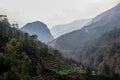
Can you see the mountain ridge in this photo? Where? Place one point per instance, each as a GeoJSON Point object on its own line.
{"type": "Point", "coordinates": [62, 29]}
{"type": "Point", "coordinates": [68, 43]}
{"type": "Point", "coordinates": [23, 57]}
{"type": "Point", "coordinates": [102, 52]}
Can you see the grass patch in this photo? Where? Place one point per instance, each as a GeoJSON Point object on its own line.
{"type": "Point", "coordinates": [63, 69]}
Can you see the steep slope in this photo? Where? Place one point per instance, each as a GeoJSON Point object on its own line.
{"type": "Point", "coordinates": [59, 30]}
{"type": "Point", "coordinates": [103, 54]}
{"type": "Point", "coordinates": [23, 57]}
{"type": "Point", "coordinates": [102, 23]}
{"type": "Point", "coordinates": [39, 29]}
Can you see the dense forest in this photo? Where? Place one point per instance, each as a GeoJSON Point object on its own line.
{"type": "Point", "coordinates": [24, 57]}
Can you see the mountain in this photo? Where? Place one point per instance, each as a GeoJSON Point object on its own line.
{"type": "Point", "coordinates": [59, 30]}
{"type": "Point", "coordinates": [40, 29]}
{"type": "Point", "coordinates": [102, 23]}
{"type": "Point", "coordinates": [23, 57]}
{"type": "Point", "coordinates": [103, 53]}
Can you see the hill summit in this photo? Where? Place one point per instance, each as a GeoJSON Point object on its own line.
{"type": "Point", "coordinates": [40, 29]}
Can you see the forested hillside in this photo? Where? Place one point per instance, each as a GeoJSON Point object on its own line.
{"type": "Point", "coordinates": [103, 54]}
{"type": "Point", "coordinates": [23, 57]}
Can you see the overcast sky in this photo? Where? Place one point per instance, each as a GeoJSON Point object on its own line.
{"type": "Point", "coordinates": [53, 12]}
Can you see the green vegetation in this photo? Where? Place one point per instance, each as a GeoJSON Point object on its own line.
{"type": "Point", "coordinates": [14, 63]}
{"type": "Point", "coordinates": [23, 57]}
{"type": "Point", "coordinates": [63, 69]}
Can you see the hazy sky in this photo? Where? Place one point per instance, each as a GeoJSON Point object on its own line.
{"type": "Point", "coordinates": [53, 12]}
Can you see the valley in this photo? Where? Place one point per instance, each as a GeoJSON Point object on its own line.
{"type": "Point", "coordinates": [86, 49]}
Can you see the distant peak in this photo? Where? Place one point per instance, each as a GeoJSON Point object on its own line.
{"type": "Point", "coordinates": [39, 23]}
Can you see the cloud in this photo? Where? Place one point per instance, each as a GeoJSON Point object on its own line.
{"type": "Point", "coordinates": [54, 12]}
